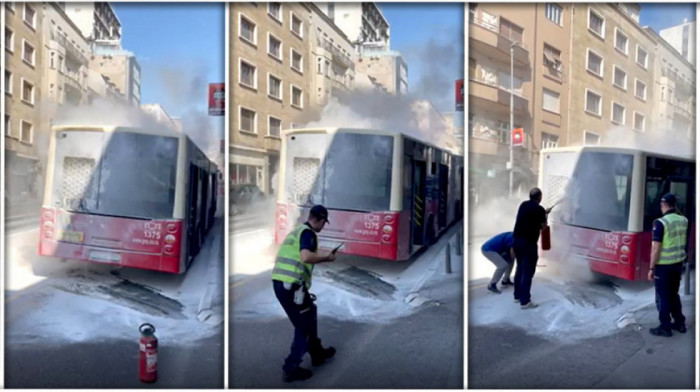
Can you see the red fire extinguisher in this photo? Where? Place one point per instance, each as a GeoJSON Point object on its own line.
{"type": "Point", "coordinates": [546, 240]}
{"type": "Point", "coordinates": [148, 353]}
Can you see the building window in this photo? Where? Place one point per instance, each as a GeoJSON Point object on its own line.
{"type": "Point", "coordinates": [9, 40]}
{"type": "Point", "coordinates": [26, 131]}
{"type": "Point", "coordinates": [596, 23]}
{"type": "Point", "coordinates": [472, 69]}
{"type": "Point", "coordinates": [10, 6]}
{"type": "Point", "coordinates": [553, 12]}
{"type": "Point", "coordinates": [248, 75]}
{"type": "Point", "coordinates": [593, 102]}
{"type": "Point", "coordinates": [297, 97]}
{"type": "Point", "coordinates": [684, 45]}
{"type": "Point", "coordinates": [504, 82]}
{"type": "Point", "coordinates": [621, 41]}
{"type": "Point", "coordinates": [618, 114]}
{"type": "Point", "coordinates": [549, 140]}
{"type": "Point", "coordinates": [640, 90]}
{"type": "Point", "coordinates": [552, 57]}
{"type": "Point", "coordinates": [8, 125]}
{"type": "Point", "coordinates": [27, 92]}
{"type": "Point", "coordinates": [248, 120]}
{"type": "Point", "coordinates": [319, 65]}
{"type": "Point", "coordinates": [619, 78]}
{"type": "Point", "coordinates": [8, 82]}
{"type": "Point", "coordinates": [28, 53]}
{"type": "Point", "coordinates": [274, 46]}
{"type": "Point", "coordinates": [274, 126]}
{"type": "Point", "coordinates": [642, 57]}
{"type": "Point", "coordinates": [29, 16]}
{"type": "Point", "coordinates": [275, 11]}
{"type": "Point", "coordinates": [247, 30]}
{"type": "Point", "coordinates": [274, 87]}
{"type": "Point", "coordinates": [296, 60]}
{"type": "Point", "coordinates": [594, 63]}
{"type": "Point", "coordinates": [550, 100]}
{"type": "Point", "coordinates": [297, 25]}
{"type": "Point", "coordinates": [639, 122]}
{"type": "Point", "coordinates": [510, 30]}
{"type": "Point", "coordinates": [590, 138]}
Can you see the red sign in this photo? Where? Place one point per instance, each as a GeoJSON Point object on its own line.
{"type": "Point", "coordinates": [217, 99]}
{"type": "Point", "coordinates": [459, 95]}
{"type": "Point", "coordinates": [517, 137]}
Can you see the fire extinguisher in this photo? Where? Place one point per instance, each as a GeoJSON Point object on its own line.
{"type": "Point", "coordinates": [148, 353]}
{"type": "Point", "coordinates": [546, 240]}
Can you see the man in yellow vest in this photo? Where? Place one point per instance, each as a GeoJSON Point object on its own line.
{"type": "Point", "coordinates": [668, 248]}
{"type": "Point", "coordinates": [291, 279]}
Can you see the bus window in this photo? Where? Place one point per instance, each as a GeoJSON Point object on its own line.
{"type": "Point", "coordinates": [680, 190]}
{"type": "Point", "coordinates": [600, 191]}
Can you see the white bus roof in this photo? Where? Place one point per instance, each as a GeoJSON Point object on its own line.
{"type": "Point", "coordinates": [116, 128]}
{"type": "Point", "coordinates": [365, 131]}
{"type": "Point", "coordinates": [622, 150]}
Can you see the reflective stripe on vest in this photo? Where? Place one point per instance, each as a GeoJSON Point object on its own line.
{"type": "Point", "coordinates": [288, 267]}
{"type": "Point", "coordinates": [673, 244]}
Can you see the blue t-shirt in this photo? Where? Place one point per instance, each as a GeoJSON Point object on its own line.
{"type": "Point", "coordinates": [308, 240]}
{"type": "Point", "coordinates": [500, 244]}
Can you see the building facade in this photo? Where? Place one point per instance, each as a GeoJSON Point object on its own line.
{"type": "Point", "coordinates": [96, 21]}
{"type": "Point", "coordinates": [612, 73]}
{"type": "Point", "coordinates": [361, 22]}
{"type": "Point", "coordinates": [682, 39]}
{"type": "Point", "coordinates": [271, 84]}
{"type": "Point", "coordinates": [120, 67]}
{"type": "Point", "coordinates": [386, 68]}
{"type": "Point", "coordinates": [539, 36]}
{"type": "Point", "coordinates": [23, 92]}
{"type": "Point", "coordinates": [674, 91]}
{"type": "Point", "coordinates": [334, 57]}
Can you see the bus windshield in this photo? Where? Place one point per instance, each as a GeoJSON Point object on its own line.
{"type": "Point", "coordinates": [342, 171]}
{"type": "Point", "coordinates": [120, 173]}
{"type": "Point", "coordinates": [598, 195]}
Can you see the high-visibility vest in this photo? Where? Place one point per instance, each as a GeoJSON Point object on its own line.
{"type": "Point", "coordinates": [288, 266]}
{"type": "Point", "coordinates": [673, 244]}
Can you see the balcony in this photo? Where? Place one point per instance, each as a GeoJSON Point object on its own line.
{"type": "Point", "coordinates": [486, 94]}
{"type": "Point", "coordinates": [338, 56]}
{"type": "Point", "coordinates": [485, 37]}
{"type": "Point", "coordinates": [682, 110]}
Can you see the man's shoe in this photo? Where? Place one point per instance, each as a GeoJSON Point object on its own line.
{"type": "Point", "coordinates": [492, 288]}
{"type": "Point", "coordinates": [517, 301]}
{"type": "Point", "coordinates": [658, 331]}
{"type": "Point", "coordinates": [507, 282]}
{"type": "Point", "coordinates": [529, 305]}
{"type": "Point", "coordinates": [298, 374]}
{"type": "Point", "coordinates": [318, 358]}
{"type": "Point", "coordinates": [680, 328]}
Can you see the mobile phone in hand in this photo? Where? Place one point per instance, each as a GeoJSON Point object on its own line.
{"type": "Point", "coordinates": [337, 248]}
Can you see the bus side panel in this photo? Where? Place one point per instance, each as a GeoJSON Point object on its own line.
{"type": "Point", "coordinates": [403, 238]}
{"type": "Point", "coordinates": [642, 257]}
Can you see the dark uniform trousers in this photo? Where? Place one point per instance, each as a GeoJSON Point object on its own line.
{"type": "Point", "coordinates": [667, 281]}
{"type": "Point", "coordinates": [304, 319]}
{"type": "Point", "coordinates": [526, 257]}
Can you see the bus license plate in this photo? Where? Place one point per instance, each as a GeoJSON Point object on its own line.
{"type": "Point", "coordinates": [107, 257]}
{"type": "Point", "coordinates": [69, 236]}
{"type": "Point", "coordinates": [325, 244]}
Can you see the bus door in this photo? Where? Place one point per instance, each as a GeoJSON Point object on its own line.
{"type": "Point", "coordinates": [203, 211]}
{"type": "Point", "coordinates": [443, 184]}
{"type": "Point", "coordinates": [418, 204]}
{"type": "Point", "coordinates": [193, 246]}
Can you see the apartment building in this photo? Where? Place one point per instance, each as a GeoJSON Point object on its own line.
{"type": "Point", "coordinates": [23, 83]}
{"type": "Point", "coordinates": [536, 38]}
{"type": "Point", "coordinates": [362, 23]}
{"type": "Point", "coordinates": [120, 67]}
{"type": "Point", "coordinates": [383, 67]}
{"type": "Point", "coordinates": [96, 21]}
{"type": "Point", "coordinates": [612, 73]}
{"type": "Point", "coordinates": [682, 39]}
{"type": "Point", "coordinates": [674, 91]}
{"type": "Point", "coordinates": [334, 56]}
{"type": "Point", "coordinates": [271, 85]}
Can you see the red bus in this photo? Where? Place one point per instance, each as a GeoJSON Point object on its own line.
{"type": "Point", "coordinates": [609, 198]}
{"type": "Point", "coordinates": [139, 198]}
{"type": "Point", "coordinates": [388, 194]}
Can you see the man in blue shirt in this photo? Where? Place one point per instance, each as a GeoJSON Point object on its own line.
{"type": "Point", "coordinates": [499, 250]}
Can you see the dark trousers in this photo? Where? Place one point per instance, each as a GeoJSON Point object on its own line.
{"type": "Point", "coordinates": [526, 258]}
{"type": "Point", "coordinates": [303, 317]}
{"type": "Point", "coordinates": [667, 281]}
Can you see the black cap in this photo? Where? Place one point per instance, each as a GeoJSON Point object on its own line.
{"type": "Point", "coordinates": [669, 199]}
{"type": "Point", "coordinates": [319, 212]}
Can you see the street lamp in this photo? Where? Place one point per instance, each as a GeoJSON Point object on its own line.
{"type": "Point", "coordinates": [510, 162]}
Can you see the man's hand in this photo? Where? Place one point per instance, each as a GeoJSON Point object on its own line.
{"type": "Point", "coordinates": [330, 256]}
{"type": "Point", "coordinates": [548, 210]}
{"type": "Point", "coordinates": [650, 275]}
